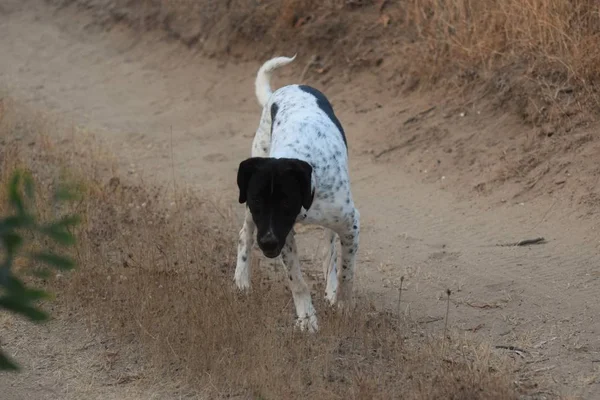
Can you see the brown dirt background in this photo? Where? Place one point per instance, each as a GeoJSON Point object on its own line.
{"type": "Point", "coordinates": [535, 60]}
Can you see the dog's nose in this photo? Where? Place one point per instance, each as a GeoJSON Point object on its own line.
{"type": "Point", "coordinates": [268, 242]}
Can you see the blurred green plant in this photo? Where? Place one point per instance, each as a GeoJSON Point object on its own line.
{"type": "Point", "coordinates": [15, 229]}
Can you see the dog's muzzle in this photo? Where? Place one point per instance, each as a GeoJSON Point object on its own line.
{"type": "Point", "coordinates": [269, 245]}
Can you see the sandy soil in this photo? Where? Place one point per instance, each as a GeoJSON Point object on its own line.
{"type": "Point", "coordinates": [424, 218]}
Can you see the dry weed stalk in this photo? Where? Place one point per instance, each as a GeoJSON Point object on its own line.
{"type": "Point", "coordinates": [448, 293]}
{"type": "Point", "coordinates": [400, 295]}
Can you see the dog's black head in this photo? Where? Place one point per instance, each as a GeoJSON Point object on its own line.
{"type": "Point", "coordinates": [275, 190]}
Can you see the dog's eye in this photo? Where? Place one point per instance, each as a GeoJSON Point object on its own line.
{"type": "Point", "coordinates": [287, 208]}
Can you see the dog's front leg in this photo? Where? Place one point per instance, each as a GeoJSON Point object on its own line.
{"type": "Point", "coordinates": [305, 311]}
{"type": "Point", "coordinates": [245, 244]}
{"type": "Point", "coordinates": [349, 238]}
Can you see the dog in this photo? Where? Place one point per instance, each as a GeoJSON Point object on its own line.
{"type": "Point", "coordinates": [297, 173]}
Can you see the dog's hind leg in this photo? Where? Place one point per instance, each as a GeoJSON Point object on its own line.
{"type": "Point", "coordinates": [349, 238]}
{"type": "Point", "coordinates": [307, 319]}
{"type": "Point", "coordinates": [261, 144]}
{"type": "Point", "coordinates": [245, 244]}
{"type": "Point", "coordinates": [330, 265]}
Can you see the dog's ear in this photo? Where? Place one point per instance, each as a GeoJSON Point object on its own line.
{"type": "Point", "coordinates": [303, 172]}
{"type": "Point", "coordinates": [245, 172]}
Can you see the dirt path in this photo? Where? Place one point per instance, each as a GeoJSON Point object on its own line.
{"type": "Point", "coordinates": [148, 98]}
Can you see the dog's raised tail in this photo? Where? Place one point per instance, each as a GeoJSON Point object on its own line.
{"type": "Point", "coordinates": [263, 77]}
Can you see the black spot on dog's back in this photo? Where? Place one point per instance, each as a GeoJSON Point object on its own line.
{"type": "Point", "coordinates": [324, 105]}
{"type": "Point", "coordinates": [274, 109]}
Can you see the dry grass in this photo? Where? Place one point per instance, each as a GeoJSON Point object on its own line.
{"type": "Point", "coordinates": [523, 48]}
{"type": "Point", "coordinates": [158, 274]}
{"type": "Point", "coordinates": [539, 58]}
{"type": "Point", "coordinates": [554, 34]}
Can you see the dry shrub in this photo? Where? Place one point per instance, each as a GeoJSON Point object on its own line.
{"type": "Point", "coordinates": [157, 274]}
{"type": "Point", "coordinates": [551, 36]}
{"type": "Point", "coordinates": [553, 43]}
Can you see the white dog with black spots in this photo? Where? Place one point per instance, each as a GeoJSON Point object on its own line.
{"type": "Point", "coordinates": [298, 173]}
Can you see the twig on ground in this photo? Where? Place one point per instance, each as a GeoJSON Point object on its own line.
{"type": "Point", "coordinates": [482, 305]}
{"type": "Point", "coordinates": [396, 147]}
{"type": "Point", "coordinates": [419, 115]}
{"type": "Point", "coordinates": [388, 150]}
{"type": "Point", "coordinates": [525, 242]}
{"type": "Point", "coordinates": [537, 361]}
{"type": "Point", "coordinates": [475, 328]}
{"type": "Point", "coordinates": [430, 320]}
{"type": "Point", "coordinates": [517, 350]}
{"type": "Point", "coordinates": [543, 342]}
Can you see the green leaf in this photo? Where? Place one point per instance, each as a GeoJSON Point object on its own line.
{"type": "Point", "coordinates": [68, 221]}
{"type": "Point", "coordinates": [36, 294]}
{"type": "Point", "coordinates": [6, 364]}
{"type": "Point", "coordinates": [11, 242]}
{"type": "Point", "coordinates": [17, 306]}
{"type": "Point", "coordinates": [11, 223]}
{"type": "Point", "coordinates": [16, 290]}
{"type": "Point", "coordinates": [14, 286]}
{"type": "Point", "coordinates": [53, 260]}
{"type": "Point", "coordinates": [65, 222]}
{"type": "Point", "coordinates": [15, 222]}
{"type": "Point", "coordinates": [41, 273]}
{"type": "Point", "coordinates": [59, 234]}
{"type": "Point", "coordinates": [29, 186]}
{"type": "Point", "coordinates": [14, 196]}
{"type": "Point", "coordinates": [58, 231]}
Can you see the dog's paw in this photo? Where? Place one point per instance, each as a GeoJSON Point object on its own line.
{"type": "Point", "coordinates": [331, 297]}
{"type": "Point", "coordinates": [242, 283]}
{"type": "Point", "coordinates": [308, 324]}
{"type": "Point", "coordinates": [242, 276]}
{"type": "Point", "coordinates": [344, 297]}
{"type": "Point", "coordinates": [331, 291]}
{"type": "Point", "coordinates": [242, 287]}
